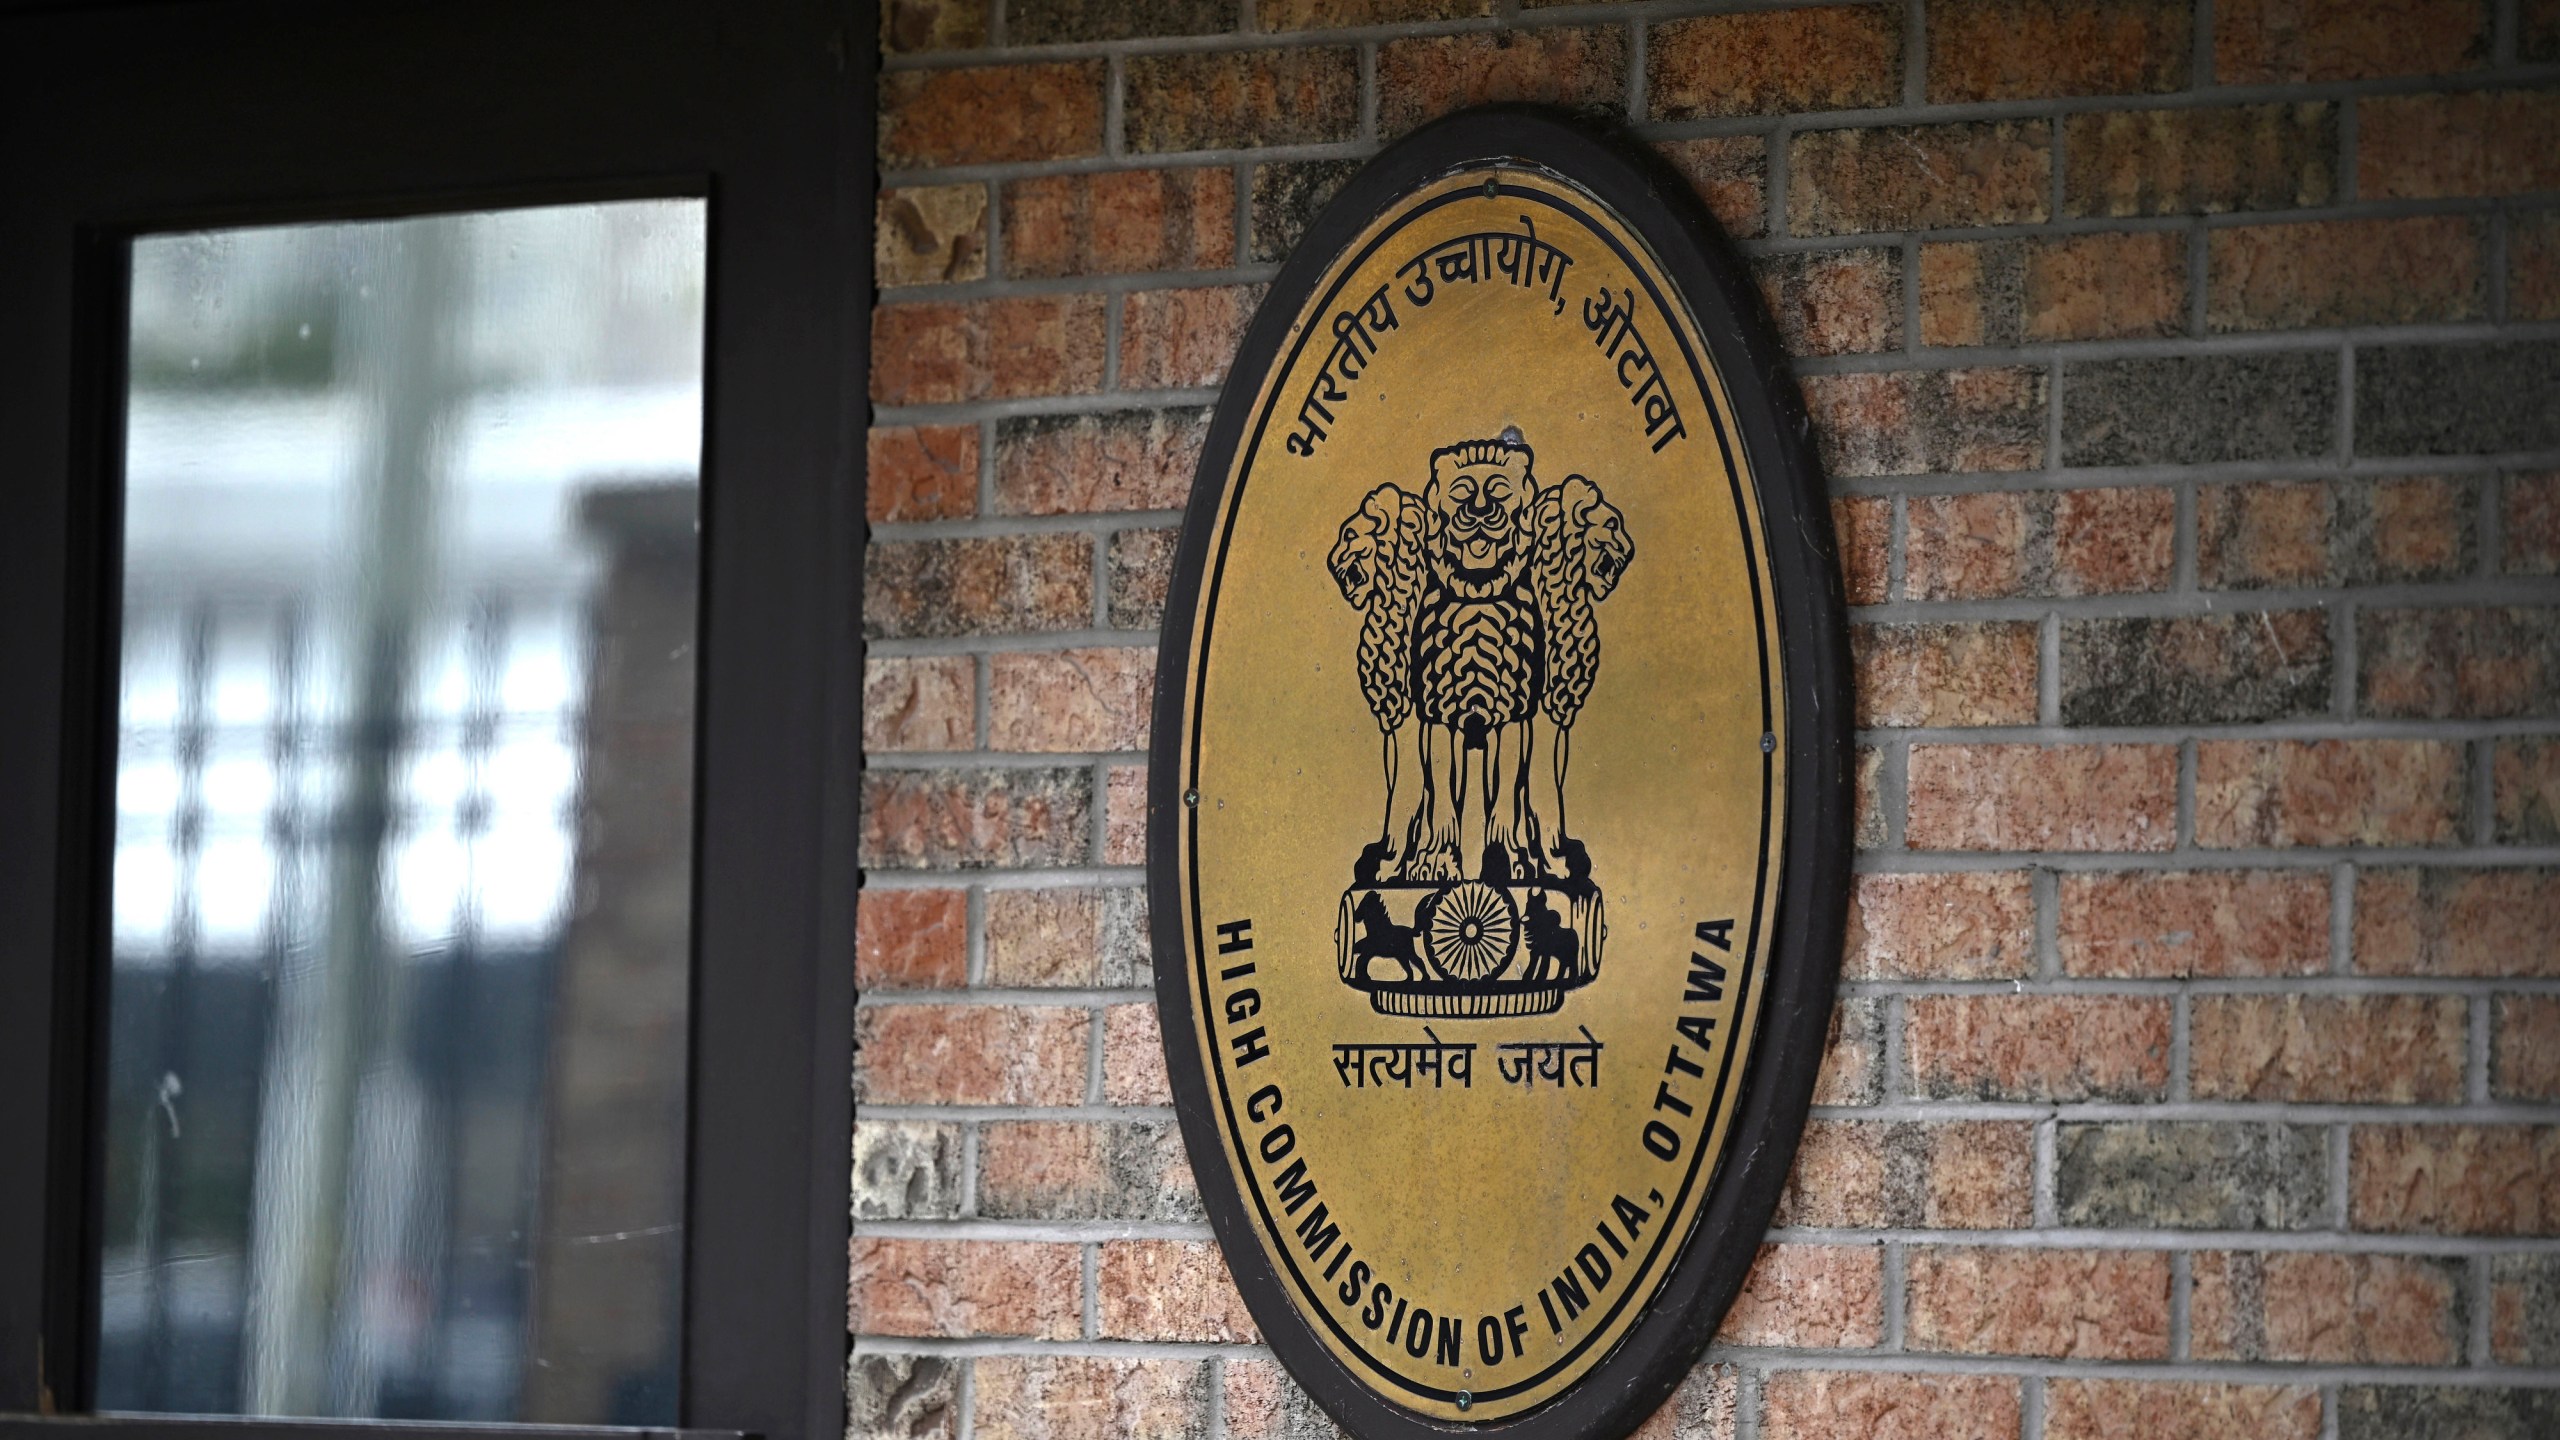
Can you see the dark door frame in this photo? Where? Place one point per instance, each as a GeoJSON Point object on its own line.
{"type": "Point", "coordinates": [118, 118]}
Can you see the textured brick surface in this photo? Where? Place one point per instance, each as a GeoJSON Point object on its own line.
{"type": "Point", "coordinates": [2524, 1048]}
{"type": "Point", "coordinates": [2020, 49]}
{"type": "Point", "coordinates": [1940, 675]}
{"type": "Point", "coordinates": [2168, 924]}
{"type": "Point", "coordinates": [1120, 221]}
{"type": "Point", "coordinates": [910, 27]}
{"type": "Point", "coordinates": [1919, 421]}
{"type": "Point", "coordinates": [1880, 1405]}
{"type": "Point", "coordinates": [969, 819]}
{"type": "Point", "coordinates": [1182, 338]}
{"type": "Point", "coordinates": [1080, 937]}
{"type": "Point", "coordinates": [1918, 177]}
{"type": "Point", "coordinates": [929, 235]}
{"type": "Point", "coordinates": [1953, 1175]}
{"type": "Point", "coordinates": [1988, 544]}
{"type": "Point", "coordinates": [1084, 1170]}
{"type": "Point", "coordinates": [1825, 1296]}
{"type": "Point", "coordinates": [1965, 926]}
{"type": "Point", "coordinates": [2037, 1047]}
{"type": "Point", "coordinates": [2346, 272]}
{"type": "Point", "coordinates": [1086, 1397]}
{"type": "Point", "coordinates": [1133, 1057]}
{"type": "Point", "coordinates": [2284, 533]}
{"type": "Point", "coordinates": [2074, 287]}
{"type": "Point", "coordinates": [907, 1171]}
{"type": "Point", "coordinates": [2124, 1409]}
{"type": "Point", "coordinates": [1835, 302]}
{"type": "Point", "coordinates": [1004, 349]}
{"type": "Point", "coordinates": [924, 588]}
{"type": "Point", "coordinates": [2199, 409]}
{"type": "Point", "coordinates": [2327, 1309]}
{"type": "Point", "coordinates": [2258, 42]}
{"type": "Point", "coordinates": [1076, 464]}
{"type": "Point", "coordinates": [2195, 669]}
{"type": "Point", "coordinates": [1067, 22]}
{"type": "Point", "coordinates": [922, 472]}
{"type": "Point", "coordinates": [2370, 1412]}
{"type": "Point", "coordinates": [912, 939]}
{"type": "Point", "coordinates": [2480, 142]}
{"type": "Point", "coordinates": [2175, 162]}
{"type": "Point", "coordinates": [1829, 57]}
{"type": "Point", "coordinates": [1084, 699]}
{"type": "Point", "coordinates": [2074, 1304]}
{"type": "Point", "coordinates": [2458, 399]}
{"type": "Point", "coordinates": [983, 116]}
{"type": "Point", "coordinates": [2033, 797]}
{"type": "Point", "coordinates": [1863, 528]}
{"type": "Point", "coordinates": [970, 1054]}
{"type": "Point", "coordinates": [1286, 199]}
{"type": "Point", "coordinates": [965, 1287]}
{"type": "Point", "coordinates": [2191, 1175]}
{"type": "Point", "coordinates": [2459, 663]}
{"type": "Point", "coordinates": [1140, 571]}
{"type": "Point", "coordinates": [1730, 173]}
{"type": "Point", "coordinates": [922, 703]}
{"type": "Point", "coordinates": [903, 1397]}
{"type": "Point", "coordinates": [2529, 515]}
{"type": "Point", "coordinates": [1429, 76]}
{"type": "Point", "coordinates": [2455, 1179]}
{"type": "Point", "coordinates": [1853, 1054]}
{"type": "Point", "coordinates": [1231, 98]}
{"type": "Point", "coordinates": [1169, 1290]}
{"type": "Point", "coordinates": [2458, 922]}
{"type": "Point", "coordinates": [2524, 1309]}
{"type": "Point", "coordinates": [2253, 793]}
{"type": "Point", "coordinates": [2372, 1049]}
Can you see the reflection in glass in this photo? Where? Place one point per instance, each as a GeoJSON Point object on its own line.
{"type": "Point", "coordinates": [401, 898]}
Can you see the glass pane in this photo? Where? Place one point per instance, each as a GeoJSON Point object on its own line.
{"type": "Point", "coordinates": [402, 886]}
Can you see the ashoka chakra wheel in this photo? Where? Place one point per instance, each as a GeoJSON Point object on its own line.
{"type": "Point", "coordinates": [1472, 930]}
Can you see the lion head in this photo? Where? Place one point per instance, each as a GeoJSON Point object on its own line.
{"type": "Point", "coordinates": [1479, 497]}
{"type": "Point", "coordinates": [1366, 543]}
{"type": "Point", "coordinates": [1594, 525]}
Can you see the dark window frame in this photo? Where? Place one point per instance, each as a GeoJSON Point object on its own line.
{"type": "Point", "coordinates": [121, 118]}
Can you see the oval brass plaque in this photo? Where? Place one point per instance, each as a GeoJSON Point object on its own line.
{"type": "Point", "coordinates": [1476, 742]}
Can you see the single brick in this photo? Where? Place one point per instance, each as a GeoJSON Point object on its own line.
{"type": "Point", "coordinates": [1081, 700]}
{"type": "Point", "coordinates": [1265, 1403]}
{"type": "Point", "coordinates": [2336, 1049]}
{"type": "Point", "coordinates": [1133, 1057]}
{"type": "Point", "coordinates": [1853, 1054]}
{"type": "Point", "coordinates": [975, 819]}
{"type": "Point", "coordinates": [1088, 1397]}
{"type": "Point", "coordinates": [1124, 840]}
{"type": "Point", "coordinates": [1830, 57]}
{"type": "Point", "coordinates": [1951, 674]}
{"type": "Point", "coordinates": [906, 1170]}
{"type": "Point", "coordinates": [1084, 1170]}
{"type": "Point", "coordinates": [1703, 1408]}
{"type": "Point", "coordinates": [1996, 543]}
{"type": "Point", "coordinates": [1863, 527]}
{"type": "Point", "coordinates": [2524, 1048]}
{"type": "Point", "coordinates": [903, 1397]}
{"type": "Point", "coordinates": [913, 27]}
{"type": "Point", "coordinates": [911, 939]}
{"type": "Point", "coordinates": [1967, 925]}
{"type": "Point", "coordinates": [2195, 669]}
{"type": "Point", "coordinates": [2529, 519]}
{"type": "Point", "coordinates": [2199, 409]}
{"type": "Point", "coordinates": [2458, 399]}
{"type": "Point", "coordinates": [2037, 1047]}
{"type": "Point", "coordinates": [2524, 1310]}
{"type": "Point", "coordinates": [2121, 1409]}
{"type": "Point", "coordinates": [958, 1288]}
{"type": "Point", "coordinates": [1081, 937]}
{"type": "Point", "coordinates": [970, 1054]}
{"type": "Point", "coordinates": [2455, 1179]}
{"type": "Point", "coordinates": [2068, 1304]}
{"type": "Point", "coordinates": [1939, 1175]}
{"type": "Point", "coordinates": [1169, 1290]}
{"type": "Point", "coordinates": [1866, 787]}
{"type": "Point", "coordinates": [2034, 797]}
{"type": "Point", "coordinates": [1428, 76]}
{"type": "Point", "coordinates": [2345, 272]}
{"type": "Point", "coordinates": [1237, 99]}
{"type": "Point", "coordinates": [1827, 1297]}
{"type": "Point", "coordinates": [2285, 533]}
{"type": "Point", "coordinates": [1070, 22]}
{"type": "Point", "coordinates": [2458, 922]}
{"type": "Point", "coordinates": [2465, 1412]}
{"type": "Point", "coordinates": [2191, 162]}
{"type": "Point", "coordinates": [2458, 664]}
{"type": "Point", "coordinates": [1287, 196]}
{"type": "Point", "coordinates": [2480, 142]}
{"type": "Point", "coordinates": [2259, 793]}
{"type": "Point", "coordinates": [1141, 566]}
{"type": "Point", "coordinates": [2028, 49]}
{"type": "Point", "coordinates": [920, 472]}
{"type": "Point", "coordinates": [1834, 302]}
{"type": "Point", "coordinates": [1919, 177]}
{"type": "Point", "coordinates": [1023, 345]}
{"type": "Point", "coordinates": [2185, 1175]}
{"type": "Point", "coordinates": [2533, 266]}
{"type": "Point", "coordinates": [1182, 338]}
{"type": "Point", "coordinates": [1120, 221]}
{"type": "Point", "coordinates": [1084, 464]}
{"type": "Point", "coordinates": [1911, 422]}
{"type": "Point", "coordinates": [2288, 42]}
{"type": "Point", "coordinates": [925, 702]}
{"type": "Point", "coordinates": [914, 589]}
{"type": "Point", "coordinates": [2327, 1309]}
{"type": "Point", "coordinates": [2170, 924]}
{"type": "Point", "coordinates": [2069, 287]}
{"type": "Point", "coordinates": [1342, 14]}
{"type": "Point", "coordinates": [1730, 173]}
{"type": "Point", "coordinates": [2525, 780]}
{"type": "Point", "coordinates": [930, 235]}
{"type": "Point", "coordinates": [990, 115]}
{"type": "Point", "coordinates": [1879, 1405]}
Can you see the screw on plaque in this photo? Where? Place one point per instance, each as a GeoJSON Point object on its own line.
{"type": "Point", "coordinates": [1190, 797]}
{"type": "Point", "coordinates": [1466, 1400]}
{"type": "Point", "coordinates": [1768, 742]}
{"type": "Point", "coordinates": [1492, 187]}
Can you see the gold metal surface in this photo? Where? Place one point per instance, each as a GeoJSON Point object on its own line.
{"type": "Point", "coordinates": [1472, 1021]}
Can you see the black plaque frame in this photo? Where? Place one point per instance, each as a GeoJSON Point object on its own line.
{"type": "Point", "coordinates": [1804, 947]}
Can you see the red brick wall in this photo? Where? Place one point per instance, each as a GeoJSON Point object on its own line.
{"type": "Point", "coordinates": [2188, 375]}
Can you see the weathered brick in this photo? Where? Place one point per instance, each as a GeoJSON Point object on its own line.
{"type": "Point", "coordinates": [1141, 567]}
{"type": "Point", "coordinates": [2327, 1309]}
{"type": "Point", "coordinates": [2187, 162]}
{"type": "Point", "coordinates": [1703, 1408]}
{"type": "Point", "coordinates": [1133, 1057]}
{"type": "Point", "coordinates": [2199, 409]}
{"type": "Point", "coordinates": [1834, 302]}
{"type": "Point", "coordinates": [911, 27]}
{"type": "Point", "coordinates": [1084, 1170]}
{"type": "Point", "coordinates": [1969, 925]}
{"type": "Point", "coordinates": [956, 819]}
{"type": "Point", "coordinates": [2032, 797]}
{"type": "Point", "coordinates": [2037, 1047]}
{"type": "Point", "coordinates": [1853, 1054]}
{"type": "Point", "coordinates": [2181, 1175]}
{"type": "Point", "coordinates": [1919, 177]}
{"type": "Point", "coordinates": [988, 115]}
{"type": "Point", "coordinates": [2288, 42]}
{"type": "Point", "coordinates": [2345, 272]}
{"type": "Point", "coordinates": [2466, 1412]}
{"type": "Point", "coordinates": [1169, 1290]}
{"type": "Point", "coordinates": [1120, 221]}
{"type": "Point", "coordinates": [1086, 464]}
{"type": "Point", "coordinates": [970, 1054]}
{"type": "Point", "coordinates": [1264, 1403]}
{"type": "Point", "coordinates": [1085, 699]}
{"type": "Point", "coordinates": [2342, 1049]}
{"type": "Point", "coordinates": [1917, 421]}
{"type": "Point", "coordinates": [921, 472]}
{"type": "Point", "coordinates": [1182, 338]}
{"type": "Point", "coordinates": [1730, 173]}
{"type": "Point", "coordinates": [1287, 197]}
{"type": "Point", "coordinates": [1815, 1296]}
{"type": "Point", "coordinates": [1831, 57]}
{"type": "Point", "coordinates": [2480, 142]}
{"type": "Point", "coordinates": [1341, 14]}
{"type": "Point", "coordinates": [926, 702]}
{"type": "Point", "coordinates": [903, 1397]}
{"type": "Point", "coordinates": [1991, 544]}
{"type": "Point", "coordinates": [2524, 1310]}
{"type": "Point", "coordinates": [2458, 664]}
{"type": "Point", "coordinates": [1943, 1175]}
{"type": "Point", "coordinates": [2068, 1304]}
{"type": "Point", "coordinates": [1235, 99]}
{"type": "Point", "coordinates": [2524, 1048]}
{"type": "Point", "coordinates": [2458, 399]}
{"type": "Point", "coordinates": [1949, 674]}
{"type": "Point", "coordinates": [1124, 840]}
{"type": "Point", "coordinates": [2026, 49]}
{"type": "Point", "coordinates": [2455, 1179]}
{"type": "Point", "coordinates": [1069, 22]}
{"type": "Point", "coordinates": [957, 1288]}
{"type": "Point", "coordinates": [930, 235]}
{"type": "Point", "coordinates": [2170, 925]}
{"type": "Point", "coordinates": [2284, 533]}
{"type": "Point", "coordinates": [1872, 1405]}
{"type": "Point", "coordinates": [1081, 937]}
{"type": "Point", "coordinates": [914, 589]}
{"type": "Point", "coordinates": [906, 1170]}
{"type": "Point", "coordinates": [2125, 1409]}
{"type": "Point", "coordinates": [2458, 922]}
{"type": "Point", "coordinates": [942, 353]}
{"type": "Point", "coordinates": [1866, 789]}
{"type": "Point", "coordinates": [1088, 1397]}
{"type": "Point", "coordinates": [1863, 528]}
{"type": "Point", "coordinates": [2068, 287]}
{"type": "Point", "coordinates": [1428, 76]}
{"type": "Point", "coordinates": [2525, 782]}
{"type": "Point", "coordinates": [2529, 521]}
{"type": "Point", "coordinates": [2257, 793]}
{"type": "Point", "coordinates": [2195, 669]}
{"type": "Point", "coordinates": [911, 939]}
